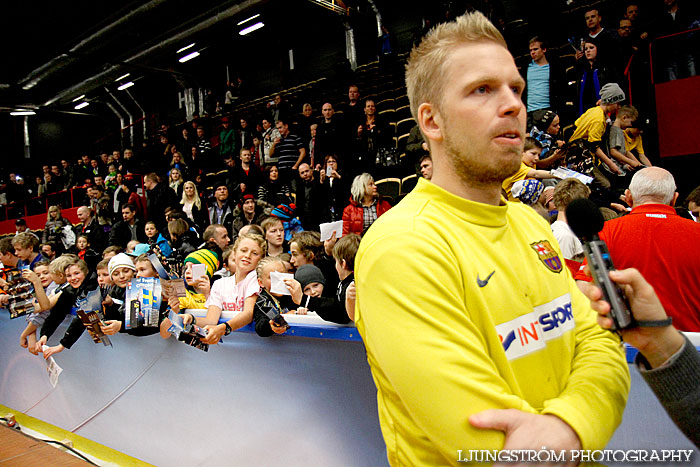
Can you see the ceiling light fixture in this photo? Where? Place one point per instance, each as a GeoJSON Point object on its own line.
{"type": "Point", "coordinates": [125, 85]}
{"type": "Point", "coordinates": [185, 48]}
{"type": "Point", "coordinates": [82, 105]}
{"type": "Point", "coordinates": [78, 98]}
{"type": "Point", "coordinates": [252, 28]}
{"type": "Point", "coordinates": [189, 57]}
{"type": "Point", "coordinates": [23, 112]}
{"type": "Point", "coordinates": [246, 20]}
{"type": "Point", "coordinates": [122, 77]}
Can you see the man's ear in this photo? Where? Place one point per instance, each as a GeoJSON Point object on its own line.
{"type": "Point", "coordinates": [674, 199]}
{"type": "Point", "coordinates": [430, 121]}
{"type": "Point", "coordinates": [628, 198]}
{"type": "Point", "coordinates": [344, 264]}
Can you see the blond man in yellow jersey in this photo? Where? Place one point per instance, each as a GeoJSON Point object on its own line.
{"type": "Point", "coordinates": [476, 334]}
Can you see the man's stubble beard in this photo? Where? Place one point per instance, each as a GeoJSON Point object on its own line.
{"type": "Point", "coordinates": [474, 168]}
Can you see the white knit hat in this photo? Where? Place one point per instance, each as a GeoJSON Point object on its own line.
{"type": "Point", "coordinates": [122, 260]}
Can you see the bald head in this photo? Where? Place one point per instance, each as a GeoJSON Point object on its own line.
{"type": "Point", "coordinates": [83, 213]}
{"type": "Point", "coordinates": [652, 185]}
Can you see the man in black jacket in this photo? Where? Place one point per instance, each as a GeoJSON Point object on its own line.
{"type": "Point", "coordinates": [130, 228]}
{"type": "Point", "coordinates": [311, 199]}
{"type": "Point", "coordinates": [159, 196]}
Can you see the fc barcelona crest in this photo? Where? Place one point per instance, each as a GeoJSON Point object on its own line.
{"type": "Point", "coordinates": [547, 255]}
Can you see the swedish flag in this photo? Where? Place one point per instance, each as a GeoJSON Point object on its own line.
{"type": "Point", "coordinates": [147, 297]}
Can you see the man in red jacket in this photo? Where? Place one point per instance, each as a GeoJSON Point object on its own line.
{"type": "Point", "coordinates": [661, 244]}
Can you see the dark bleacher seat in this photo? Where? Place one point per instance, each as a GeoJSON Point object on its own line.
{"type": "Point", "coordinates": [408, 183]}
{"type": "Point", "coordinates": [389, 187]}
{"type": "Point", "coordinates": [403, 112]}
{"type": "Point", "coordinates": [405, 126]}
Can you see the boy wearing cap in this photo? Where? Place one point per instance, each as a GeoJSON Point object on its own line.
{"type": "Point", "coordinates": [591, 125]}
{"type": "Point", "coordinates": [291, 224]}
{"type": "Point", "coordinates": [545, 129]}
{"type": "Point", "coordinates": [249, 211]}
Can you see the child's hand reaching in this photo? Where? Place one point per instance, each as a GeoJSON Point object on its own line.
{"type": "Point", "coordinates": [174, 304]}
{"type": "Point", "coordinates": [49, 351]}
{"type": "Point", "coordinates": [111, 327]}
{"type": "Point", "coordinates": [277, 329]}
{"type": "Point", "coordinates": [40, 343]}
{"type": "Point", "coordinates": [294, 288]}
{"type": "Point", "coordinates": [32, 277]}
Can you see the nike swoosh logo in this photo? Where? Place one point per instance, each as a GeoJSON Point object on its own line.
{"type": "Point", "coordinates": [482, 283]}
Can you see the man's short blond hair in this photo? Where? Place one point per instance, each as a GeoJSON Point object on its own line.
{"type": "Point", "coordinates": [425, 71]}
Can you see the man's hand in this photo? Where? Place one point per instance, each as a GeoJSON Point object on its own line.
{"type": "Point", "coordinates": [656, 344]}
{"type": "Point", "coordinates": [528, 431]}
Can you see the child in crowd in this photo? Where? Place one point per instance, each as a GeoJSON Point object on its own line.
{"type": "Point", "coordinates": [274, 235]}
{"type": "Point", "coordinates": [110, 252]}
{"type": "Point", "coordinates": [42, 272]}
{"type": "Point", "coordinates": [624, 159]}
{"type": "Point", "coordinates": [228, 269]}
{"type": "Point", "coordinates": [103, 279]}
{"type": "Point", "coordinates": [333, 309]}
{"type": "Point", "coordinates": [111, 178]}
{"type": "Point", "coordinates": [307, 248]}
{"type": "Point", "coordinates": [633, 144]}
{"type": "Point", "coordinates": [237, 293]}
{"type": "Point", "coordinates": [285, 213]}
{"type": "Point", "coordinates": [545, 130]}
{"type": "Point", "coordinates": [80, 284]}
{"type": "Point", "coordinates": [590, 127]}
{"type": "Point", "coordinates": [311, 280]}
{"type": "Point", "coordinates": [530, 156]}
{"type": "Point", "coordinates": [122, 270]}
{"type": "Point", "coordinates": [87, 254]}
{"type": "Point", "coordinates": [156, 238]}
{"type": "Point", "coordinates": [267, 300]}
{"type": "Point", "coordinates": [130, 246]}
{"type": "Point", "coordinates": [197, 294]}
{"type": "Point", "coordinates": [25, 245]}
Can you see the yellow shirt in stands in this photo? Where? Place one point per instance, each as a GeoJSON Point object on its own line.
{"type": "Point", "coordinates": [634, 143]}
{"type": "Point", "coordinates": [192, 301]}
{"type": "Point", "coordinates": [590, 125]}
{"type": "Point", "coordinates": [463, 307]}
{"type": "Point", "coordinates": [521, 174]}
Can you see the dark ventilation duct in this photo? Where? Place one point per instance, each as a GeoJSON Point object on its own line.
{"type": "Point", "coordinates": [85, 46]}
{"type": "Point", "coordinates": [113, 71]}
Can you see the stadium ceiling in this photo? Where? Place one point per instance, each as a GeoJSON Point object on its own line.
{"type": "Point", "coordinates": [59, 51]}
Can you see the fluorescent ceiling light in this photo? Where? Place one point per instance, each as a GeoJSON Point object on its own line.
{"type": "Point", "coordinates": [185, 48]}
{"type": "Point", "coordinates": [78, 98]}
{"type": "Point", "coordinates": [82, 105]}
{"type": "Point", "coordinates": [125, 85]}
{"type": "Point", "coordinates": [122, 77]}
{"type": "Point", "coordinates": [246, 20]}
{"type": "Point", "coordinates": [250, 29]}
{"type": "Point", "coordinates": [23, 112]}
{"type": "Point", "coordinates": [189, 57]}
